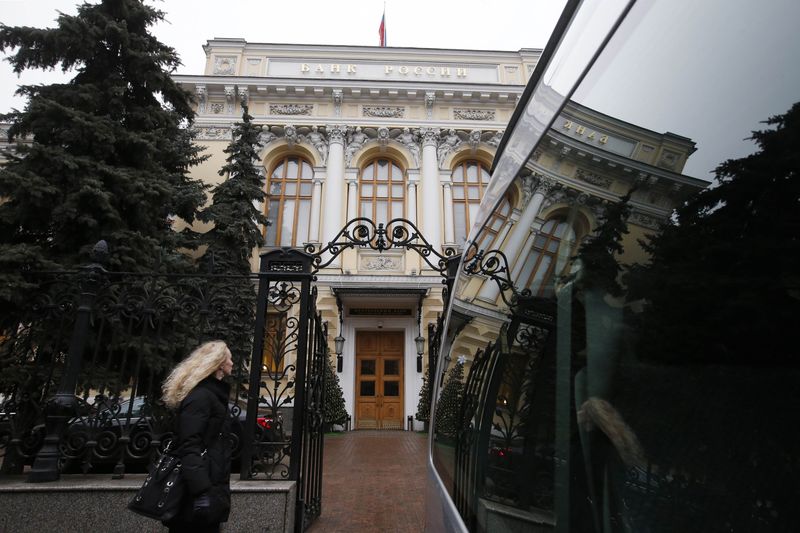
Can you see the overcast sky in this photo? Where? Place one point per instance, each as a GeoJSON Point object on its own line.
{"type": "Point", "coordinates": [471, 24]}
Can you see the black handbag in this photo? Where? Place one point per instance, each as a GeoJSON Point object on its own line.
{"type": "Point", "coordinates": [162, 492]}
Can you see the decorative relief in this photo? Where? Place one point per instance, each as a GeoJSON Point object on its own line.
{"type": "Point", "coordinates": [229, 96]}
{"type": "Point", "coordinates": [380, 262]}
{"type": "Point", "coordinates": [448, 143]}
{"type": "Point", "coordinates": [383, 111]}
{"type": "Point", "coordinates": [224, 66]}
{"type": "Point", "coordinates": [474, 140]}
{"type": "Point", "coordinates": [473, 114]}
{"type": "Point", "coordinates": [266, 137]}
{"type": "Point", "coordinates": [430, 98]}
{"type": "Point", "coordinates": [529, 183]}
{"type": "Point", "coordinates": [290, 134]}
{"type": "Point", "coordinates": [355, 142]}
{"type": "Point", "coordinates": [668, 159]}
{"type": "Point", "coordinates": [337, 133]}
{"type": "Point", "coordinates": [409, 140]}
{"type": "Point", "coordinates": [200, 90]}
{"type": "Point", "coordinates": [216, 108]}
{"type": "Point", "coordinates": [319, 142]}
{"type": "Point", "coordinates": [593, 179]}
{"type": "Point", "coordinates": [337, 102]}
{"type": "Point", "coordinates": [213, 133]}
{"type": "Point", "coordinates": [496, 138]}
{"type": "Point", "coordinates": [383, 136]}
{"type": "Point", "coordinates": [430, 136]}
{"type": "Point", "coordinates": [290, 109]}
{"type": "Point", "coordinates": [244, 95]}
{"type": "Point", "coordinates": [646, 221]}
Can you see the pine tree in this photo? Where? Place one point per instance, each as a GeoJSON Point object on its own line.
{"type": "Point", "coordinates": [424, 404]}
{"type": "Point", "coordinates": [109, 151]}
{"type": "Point", "coordinates": [598, 255]}
{"type": "Point", "coordinates": [722, 284]}
{"type": "Point", "coordinates": [448, 408]}
{"type": "Point", "coordinates": [334, 410]}
{"type": "Point", "coordinates": [236, 233]}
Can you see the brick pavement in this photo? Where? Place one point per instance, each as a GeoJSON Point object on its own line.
{"type": "Point", "coordinates": [373, 482]}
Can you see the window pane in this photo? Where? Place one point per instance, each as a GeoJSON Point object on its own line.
{"type": "Point", "coordinates": [460, 221]}
{"type": "Point", "coordinates": [458, 174]}
{"type": "Point", "coordinates": [381, 212]}
{"type": "Point", "coordinates": [472, 173]}
{"type": "Point", "coordinates": [305, 188]}
{"type": "Point", "coordinates": [552, 246]}
{"type": "Point", "coordinates": [367, 367]}
{"type": "Point", "coordinates": [291, 188]}
{"type": "Point", "coordinates": [474, 192]}
{"type": "Point", "coordinates": [391, 367]}
{"type": "Point", "coordinates": [366, 190]}
{"type": "Point", "coordinates": [383, 191]}
{"type": "Point", "coordinates": [367, 388]}
{"type": "Point", "coordinates": [397, 209]}
{"type": "Point", "coordinates": [458, 193]}
{"type": "Point", "coordinates": [308, 173]}
{"type": "Point", "coordinates": [539, 242]}
{"type": "Point", "coordinates": [303, 216]}
{"type": "Point", "coordinates": [287, 223]}
{"type": "Point", "coordinates": [391, 388]}
{"type": "Point", "coordinates": [275, 188]}
{"type": "Point", "coordinates": [383, 170]}
{"type": "Point", "coordinates": [278, 172]}
{"type": "Point", "coordinates": [293, 168]}
{"type": "Point", "coordinates": [367, 173]}
{"type": "Point", "coordinates": [397, 191]}
{"type": "Point", "coordinates": [472, 211]}
{"type": "Point", "coordinates": [397, 174]}
{"type": "Point", "coordinates": [272, 229]}
{"type": "Point", "coordinates": [366, 209]}
{"type": "Point", "coordinates": [485, 176]}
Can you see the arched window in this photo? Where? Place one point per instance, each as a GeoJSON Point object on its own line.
{"type": "Point", "coordinates": [469, 179]}
{"type": "Point", "coordinates": [382, 190]}
{"type": "Point", "coordinates": [289, 202]}
{"type": "Point", "coordinates": [539, 268]}
{"type": "Point", "coordinates": [488, 235]}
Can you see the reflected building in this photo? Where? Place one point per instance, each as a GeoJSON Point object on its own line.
{"type": "Point", "coordinates": [408, 133]}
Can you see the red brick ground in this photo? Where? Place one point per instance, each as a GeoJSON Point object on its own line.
{"type": "Point", "coordinates": [373, 482]}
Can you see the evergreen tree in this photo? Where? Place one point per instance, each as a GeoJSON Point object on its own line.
{"type": "Point", "coordinates": [334, 410]}
{"type": "Point", "coordinates": [110, 149]}
{"type": "Point", "coordinates": [236, 233]}
{"type": "Point", "coordinates": [424, 404]}
{"type": "Point", "coordinates": [598, 255]}
{"type": "Point", "coordinates": [722, 284]}
{"type": "Point", "coordinates": [448, 409]}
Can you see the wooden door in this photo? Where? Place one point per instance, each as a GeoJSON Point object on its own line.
{"type": "Point", "coordinates": [379, 379]}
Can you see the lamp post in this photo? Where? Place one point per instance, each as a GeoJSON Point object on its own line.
{"type": "Point", "coordinates": [419, 340]}
{"type": "Point", "coordinates": [338, 341]}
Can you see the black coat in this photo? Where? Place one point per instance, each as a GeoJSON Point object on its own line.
{"type": "Point", "coordinates": [203, 425]}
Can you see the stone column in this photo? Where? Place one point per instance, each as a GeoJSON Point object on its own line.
{"type": "Point", "coordinates": [431, 223]}
{"type": "Point", "coordinates": [316, 198]}
{"type": "Point", "coordinates": [412, 202]}
{"type": "Point", "coordinates": [534, 191]}
{"type": "Point", "coordinates": [334, 184]}
{"type": "Point", "coordinates": [449, 229]}
{"type": "Point", "coordinates": [352, 198]}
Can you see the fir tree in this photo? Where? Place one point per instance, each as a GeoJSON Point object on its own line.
{"type": "Point", "coordinates": [236, 233]}
{"type": "Point", "coordinates": [334, 410]}
{"type": "Point", "coordinates": [722, 284]}
{"type": "Point", "coordinates": [448, 409]}
{"type": "Point", "coordinates": [109, 151]}
{"type": "Point", "coordinates": [424, 404]}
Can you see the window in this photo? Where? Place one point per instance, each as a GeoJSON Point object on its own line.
{"type": "Point", "coordinates": [469, 179]}
{"type": "Point", "coordinates": [382, 191]}
{"type": "Point", "coordinates": [289, 202]}
{"type": "Point", "coordinates": [540, 263]}
{"type": "Point", "coordinates": [496, 222]}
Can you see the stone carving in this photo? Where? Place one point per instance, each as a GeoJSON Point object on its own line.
{"type": "Point", "coordinates": [474, 114]}
{"type": "Point", "coordinates": [380, 263]}
{"type": "Point", "coordinates": [214, 133]}
{"type": "Point", "coordinates": [383, 111]}
{"type": "Point", "coordinates": [383, 136]}
{"type": "Point", "coordinates": [646, 221]}
{"type": "Point", "coordinates": [290, 109]}
{"type": "Point", "coordinates": [229, 96]}
{"type": "Point", "coordinates": [593, 179]}
{"type": "Point", "coordinates": [336, 133]}
{"type": "Point", "coordinates": [495, 139]}
{"type": "Point", "coordinates": [668, 159]}
{"type": "Point", "coordinates": [243, 95]}
{"type": "Point", "coordinates": [430, 98]}
{"type": "Point", "coordinates": [290, 134]}
{"type": "Point", "coordinates": [430, 136]}
{"type": "Point", "coordinates": [447, 145]}
{"type": "Point", "coordinates": [337, 102]}
{"type": "Point", "coordinates": [354, 143]}
{"type": "Point", "coordinates": [474, 140]}
{"type": "Point", "coordinates": [217, 108]}
{"type": "Point", "coordinates": [266, 137]}
{"type": "Point", "coordinates": [224, 66]}
{"type": "Point", "coordinates": [409, 140]}
{"type": "Point", "coordinates": [529, 184]}
{"type": "Point", "coordinates": [200, 90]}
{"type": "Point", "coordinates": [319, 142]}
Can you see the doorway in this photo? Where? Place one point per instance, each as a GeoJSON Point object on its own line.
{"type": "Point", "coordinates": [379, 379]}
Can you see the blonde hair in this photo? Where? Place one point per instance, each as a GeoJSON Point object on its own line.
{"type": "Point", "coordinates": [198, 365]}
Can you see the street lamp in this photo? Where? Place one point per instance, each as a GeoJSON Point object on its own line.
{"type": "Point", "coordinates": [419, 340]}
{"type": "Point", "coordinates": [338, 341]}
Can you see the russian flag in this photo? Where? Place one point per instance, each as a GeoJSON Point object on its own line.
{"type": "Point", "coordinates": [382, 29]}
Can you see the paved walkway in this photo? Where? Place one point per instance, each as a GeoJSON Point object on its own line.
{"type": "Point", "coordinates": [373, 482]}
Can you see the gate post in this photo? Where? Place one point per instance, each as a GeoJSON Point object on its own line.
{"type": "Point", "coordinates": [62, 407]}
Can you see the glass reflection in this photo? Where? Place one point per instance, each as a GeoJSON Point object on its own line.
{"type": "Point", "coordinates": [620, 352]}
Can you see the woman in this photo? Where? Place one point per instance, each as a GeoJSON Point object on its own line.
{"type": "Point", "coordinates": [195, 387]}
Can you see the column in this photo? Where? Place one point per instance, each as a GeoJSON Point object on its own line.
{"type": "Point", "coordinates": [411, 204]}
{"type": "Point", "coordinates": [352, 198]}
{"type": "Point", "coordinates": [316, 198]}
{"type": "Point", "coordinates": [449, 229]}
{"type": "Point", "coordinates": [334, 185]}
{"type": "Point", "coordinates": [519, 234]}
{"type": "Point", "coordinates": [431, 189]}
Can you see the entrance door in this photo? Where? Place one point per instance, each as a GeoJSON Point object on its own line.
{"type": "Point", "coordinates": [379, 379]}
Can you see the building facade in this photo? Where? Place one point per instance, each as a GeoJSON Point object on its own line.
{"type": "Point", "coordinates": [386, 133]}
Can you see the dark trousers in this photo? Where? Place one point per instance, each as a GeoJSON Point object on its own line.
{"type": "Point", "coordinates": [194, 528]}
